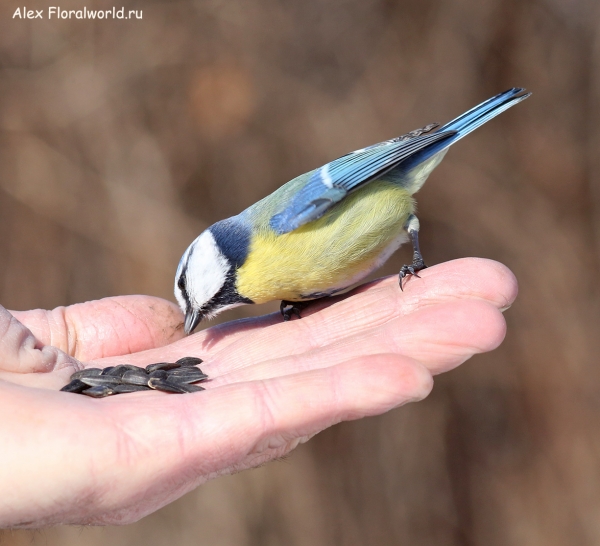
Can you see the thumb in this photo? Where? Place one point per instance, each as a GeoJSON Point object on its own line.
{"type": "Point", "coordinates": [115, 326]}
{"type": "Point", "coordinates": [21, 352]}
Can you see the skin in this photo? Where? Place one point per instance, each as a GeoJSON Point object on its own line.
{"type": "Point", "coordinates": [71, 459]}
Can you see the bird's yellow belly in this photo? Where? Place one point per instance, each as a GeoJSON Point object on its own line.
{"type": "Point", "coordinates": [355, 237]}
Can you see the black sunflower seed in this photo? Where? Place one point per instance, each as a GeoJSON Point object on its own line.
{"type": "Point", "coordinates": [196, 379]}
{"type": "Point", "coordinates": [185, 370]}
{"type": "Point", "coordinates": [123, 389]}
{"type": "Point", "coordinates": [190, 388]}
{"type": "Point", "coordinates": [88, 372]}
{"type": "Point", "coordinates": [165, 385]}
{"type": "Point", "coordinates": [190, 375]}
{"type": "Point", "coordinates": [75, 386]}
{"type": "Point", "coordinates": [189, 361]}
{"type": "Point", "coordinates": [99, 380]}
{"type": "Point", "coordinates": [158, 374]}
{"type": "Point", "coordinates": [137, 377]}
{"type": "Point", "coordinates": [131, 367]}
{"type": "Point", "coordinates": [175, 377]}
{"type": "Point", "coordinates": [99, 391]}
{"type": "Point", "coordinates": [161, 366]}
{"type": "Point", "coordinates": [120, 369]}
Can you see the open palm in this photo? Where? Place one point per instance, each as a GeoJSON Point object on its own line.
{"type": "Point", "coordinates": [72, 459]}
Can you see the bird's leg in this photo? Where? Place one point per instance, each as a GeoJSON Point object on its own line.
{"type": "Point", "coordinates": [293, 308]}
{"type": "Point", "coordinates": [412, 227]}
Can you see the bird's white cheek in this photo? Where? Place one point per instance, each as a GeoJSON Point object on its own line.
{"type": "Point", "coordinates": [207, 270]}
{"type": "Point", "coordinates": [180, 300]}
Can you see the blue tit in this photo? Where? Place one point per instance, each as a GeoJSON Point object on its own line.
{"type": "Point", "coordinates": [325, 230]}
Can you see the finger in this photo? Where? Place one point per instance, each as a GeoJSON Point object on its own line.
{"type": "Point", "coordinates": [23, 353]}
{"type": "Point", "coordinates": [468, 279]}
{"type": "Point", "coordinates": [440, 337]}
{"type": "Point", "coordinates": [473, 278]}
{"type": "Point", "coordinates": [150, 449]}
{"type": "Point", "coordinates": [251, 423]}
{"type": "Point", "coordinates": [297, 406]}
{"type": "Point", "coordinates": [108, 327]}
{"type": "Point", "coordinates": [250, 341]}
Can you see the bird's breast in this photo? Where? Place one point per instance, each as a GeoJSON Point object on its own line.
{"type": "Point", "coordinates": [355, 237]}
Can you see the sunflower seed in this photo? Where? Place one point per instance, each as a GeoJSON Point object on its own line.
{"type": "Point", "coordinates": [130, 367]}
{"type": "Point", "coordinates": [190, 375]}
{"type": "Point", "coordinates": [88, 372]}
{"type": "Point", "coordinates": [120, 369]}
{"type": "Point", "coordinates": [189, 361]}
{"type": "Point", "coordinates": [165, 385]}
{"type": "Point", "coordinates": [173, 377]}
{"type": "Point", "coordinates": [101, 380]}
{"type": "Point", "coordinates": [161, 366]}
{"type": "Point", "coordinates": [75, 386]}
{"type": "Point", "coordinates": [187, 380]}
{"type": "Point", "coordinates": [190, 388]}
{"type": "Point", "coordinates": [162, 385]}
{"type": "Point", "coordinates": [158, 374]}
{"type": "Point", "coordinates": [138, 377]}
{"type": "Point", "coordinates": [185, 371]}
{"type": "Point", "coordinates": [122, 389]}
{"type": "Point", "coordinates": [99, 391]}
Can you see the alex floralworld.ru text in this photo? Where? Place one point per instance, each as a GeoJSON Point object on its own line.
{"type": "Point", "coordinates": [54, 12]}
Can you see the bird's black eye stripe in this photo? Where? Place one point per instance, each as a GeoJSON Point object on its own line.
{"type": "Point", "coordinates": [227, 295]}
{"type": "Point", "coordinates": [181, 283]}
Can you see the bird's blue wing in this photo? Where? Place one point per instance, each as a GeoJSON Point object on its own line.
{"type": "Point", "coordinates": [332, 182]}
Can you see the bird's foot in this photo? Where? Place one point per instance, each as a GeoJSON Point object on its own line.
{"type": "Point", "coordinates": [413, 269]}
{"type": "Point", "coordinates": [289, 308]}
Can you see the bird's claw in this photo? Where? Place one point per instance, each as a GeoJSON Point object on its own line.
{"type": "Point", "coordinates": [413, 269]}
{"type": "Point", "coordinates": [289, 308]}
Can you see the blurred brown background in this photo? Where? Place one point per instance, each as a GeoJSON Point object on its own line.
{"type": "Point", "coordinates": [121, 140]}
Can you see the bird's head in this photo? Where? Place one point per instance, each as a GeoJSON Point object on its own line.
{"type": "Point", "coordinates": [205, 280]}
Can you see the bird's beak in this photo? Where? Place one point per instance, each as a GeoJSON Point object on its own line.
{"type": "Point", "coordinates": [192, 318]}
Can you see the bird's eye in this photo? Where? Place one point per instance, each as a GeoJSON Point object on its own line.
{"type": "Point", "coordinates": [181, 284]}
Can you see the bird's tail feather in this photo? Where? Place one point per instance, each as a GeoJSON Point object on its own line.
{"type": "Point", "coordinates": [469, 121]}
{"type": "Point", "coordinates": [466, 123]}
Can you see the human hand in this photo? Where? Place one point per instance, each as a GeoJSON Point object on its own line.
{"type": "Point", "coordinates": [72, 459]}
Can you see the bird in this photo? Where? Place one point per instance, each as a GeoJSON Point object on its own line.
{"type": "Point", "coordinates": [325, 230]}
